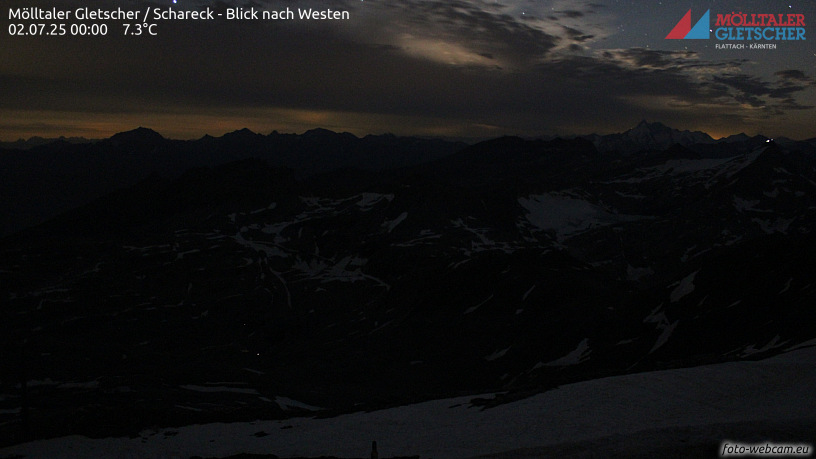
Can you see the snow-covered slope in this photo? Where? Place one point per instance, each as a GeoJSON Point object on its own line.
{"type": "Point", "coordinates": [682, 412]}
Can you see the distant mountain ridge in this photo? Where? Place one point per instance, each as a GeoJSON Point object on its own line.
{"type": "Point", "coordinates": [44, 180]}
{"type": "Point", "coordinates": [41, 178]}
{"type": "Point", "coordinates": [645, 135]}
{"type": "Point", "coordinates": [26, 144]}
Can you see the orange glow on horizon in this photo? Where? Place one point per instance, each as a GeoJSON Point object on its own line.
{"type": "Point", "coordinates": [183, 125]}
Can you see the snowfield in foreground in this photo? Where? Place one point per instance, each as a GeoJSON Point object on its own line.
{"type": "Point", "coordinates": [639, 408]}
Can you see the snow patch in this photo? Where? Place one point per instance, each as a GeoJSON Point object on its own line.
{"type": "Point", "coordinates": [210, 389]}
{"type": "Point", "coordinates": [188, 408]}
{"type": "Point", "coordinates": [685, 166]}
{"type": "Point", "coordinates": [473, 308]}
{"type": "Point", "coordinates": [686, 286]}
{"type": "Point", "coordinates": [630, 196]}
{"type": "Point", "coordinates": [497, 355]}
{"type": "Point", "coordinates": [79, 385]}
{"type": "Point", "coordinates": [780, 225]}
{"type": "Point", "coordinates": [786, 287]}
{"type": "Point", "coordinates": [391, 224]}
{"type": "Point", "coordinates": [263, 209]}
{"type": "Point", "coordinates": [678, 167]}
{"type": "Point", "coordinates": [658, 316]}
{"type": "Point", "coordinates": [567, 216]}
{"type": "Point", "coordinates": [808, 343]}
{"type": "Point", "coordinates": [369, 200]}
{"type": "Point", "coordinates": [579, 355]}
{"type": "Point", "coordinates": [772, 344]}
{"type": "Point", "coordinates": [744, 205]}
{"type": "Point", "coordinates": [667, 331]}
{"type": "Point", "coordinates": [288, 404]}
{"type": "Point", "coordinates": [268, 250]}
{"type": "Point", "coordinates": [426, 237]}
{"type": "Point", "coordinates": [636, 274]}
{"type": "Point", "coordinates": [348, 269]}
{"type": "Point", "coordinates": [481, 243]}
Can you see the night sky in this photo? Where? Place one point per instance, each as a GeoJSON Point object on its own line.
{"type": "Point", "coordinates": [452, 68]}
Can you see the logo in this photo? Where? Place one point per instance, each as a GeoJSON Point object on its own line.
{"type": "Point", "coordinates": [769, 27]}
{"type": "Point", "coordinates": [742, 27]}
{"type": "Point", "coordinates": [684, 31]}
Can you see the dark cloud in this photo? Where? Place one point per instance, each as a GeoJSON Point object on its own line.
{"type": "Point", "coordinates": [572, 14]}
{"type": "Point", "coordinates": [641, 57]}
{"type": "Point", "coordinates": [745, 84]}
{"type": "Point", "coordinates": [793, 74]}
{"type": "Point", "coordinates": [759, 93]}
{"type": "Point", "coordinates": [577, 35]}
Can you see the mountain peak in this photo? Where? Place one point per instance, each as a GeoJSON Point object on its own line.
{"type": "Point", "coordinates": [323, 134]}
{"type": "Point", "coordinates": [651, 127]}
{"type": "Point", "coordinates": [654, 136]}
{"type": "Point", "coordinates": [140, 134]}
{"type": "Point", "coordinates": [317, 132]}
{"type": "Point", "coordinates": [241, 133]}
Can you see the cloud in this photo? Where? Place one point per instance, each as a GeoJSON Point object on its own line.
{"type": "Point", "coordinates": [795, 75]}
{"type": "Point", "coordinates": [461, 32]}
{"type": "Point", "coordinates": [471, 64]}
{"type": "Point", "coordinates": [572, 14]}
{"type": "Point", "coordinates": [774, 96]}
